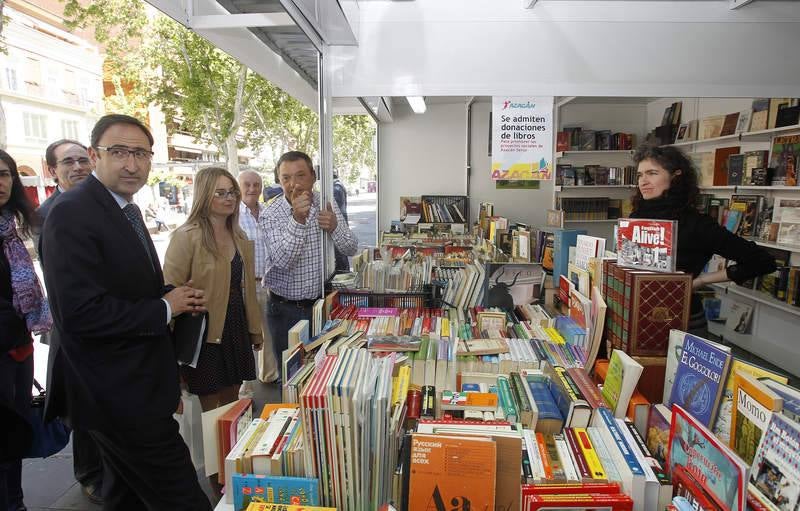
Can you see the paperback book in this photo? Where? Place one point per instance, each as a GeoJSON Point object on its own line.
{"type": "Point", "coordinates": [775, 474]}
{"type": "Point", "coordinates": [647, 244]}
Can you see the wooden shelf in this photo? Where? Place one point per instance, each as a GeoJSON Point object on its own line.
{"type": "Point", "coordinates": [770, 244]}
{"type": "Point", "coordinates": [562, 188]}
{"type": "Point", "coordinates": [605, 221]}
{"type": "Point", "coordinates": [562, 154]}
{"type": "Point", "coordinates": [757, 296]}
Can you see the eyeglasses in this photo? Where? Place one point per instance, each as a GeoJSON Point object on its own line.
{"type": "Point", "coordinates": [122, 153]}
{"type": "Point", "coordinates": [70, 162]}
{"type": "Point", "coordinates": [223, 194]}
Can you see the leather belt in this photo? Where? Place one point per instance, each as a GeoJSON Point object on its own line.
{"type": "Point", "coordinates": [302, 304]}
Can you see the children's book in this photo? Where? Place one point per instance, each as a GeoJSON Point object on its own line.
{"type": "Point", "coordinates": [775, 474]}
{"type": "Point", "coordinates": [753, 408]}
{"type": "Point", "coordinates": [704, 466]}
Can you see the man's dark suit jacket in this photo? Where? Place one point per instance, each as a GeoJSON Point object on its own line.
{"type": "Point", "coordinates": [43, 211]}
{"type": "Point", "coordinates": [119, 366]}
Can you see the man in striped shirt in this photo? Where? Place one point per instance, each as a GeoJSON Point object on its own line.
{"type": "Point", "coordinates": [293, 225]}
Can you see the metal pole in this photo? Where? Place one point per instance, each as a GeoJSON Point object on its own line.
{"type": "Point", "coordinates": [325, 154]}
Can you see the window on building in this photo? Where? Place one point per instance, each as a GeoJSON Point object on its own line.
{"type": "Point", "coordinates": [11, 79]}
{"type": "Point", "coordinates": [33, 76]}
{"type": "Point", "coordinates": [69, 129]}
{"type": "Point", "coordinates": [35, 126]}
{"type": "Point", "coordinates": [52, 86]}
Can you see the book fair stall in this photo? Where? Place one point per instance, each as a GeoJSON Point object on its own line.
{"type": "Point", "coordinates": [517, 340]}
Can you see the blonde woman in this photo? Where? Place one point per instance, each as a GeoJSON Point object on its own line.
{"type": "Point", "coordinates": [212, 251]}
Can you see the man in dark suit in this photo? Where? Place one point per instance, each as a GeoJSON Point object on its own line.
{"type": "Point", "coordinates": [111, 310]}
{"type": "Point", "coordinates": [68, 161]}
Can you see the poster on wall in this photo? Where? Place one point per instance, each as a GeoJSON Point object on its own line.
{"type": "Point", "coordinates": [522, 138]}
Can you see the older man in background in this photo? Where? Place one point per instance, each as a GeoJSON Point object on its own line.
{"type": "Point", "coordinates": [251, 211]}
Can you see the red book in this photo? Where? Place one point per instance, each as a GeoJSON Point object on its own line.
{"type": "Point", "coordinates": [614, 502]}
{"type": "Point", "coordinates": [546, 462]}
{"type": "Point", "coordinates": [577, 455]}
{"type": "Point", "coordinates": [562, 488]}
{"type": "Point", "coordinates": [588, 389]}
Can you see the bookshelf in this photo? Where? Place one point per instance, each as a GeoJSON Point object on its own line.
{"type": "Point", "coordinates": [564, 154]}
{"type": "Point", "coordinates": [795, 249]}
{"type": "Point", "coordinates": [740, 137]}
{"type": "Point", "coordinates": [602, 221]}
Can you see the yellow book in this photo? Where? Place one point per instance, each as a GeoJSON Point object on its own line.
{"type": "Point", "coordinates": [753, 406]}
{"type": "Point", "coordinates": [266, 506]}
{"type": "Point", "coordinates": [554, 336]}
{"type": "Point", "coordinates": [401, 389]}
{"type": "Point", "coordinates": [592, 460]}
{"type": "Point", "coordinates": [445, 328]}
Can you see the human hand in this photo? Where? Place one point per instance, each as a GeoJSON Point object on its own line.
{"type": "Point", "coordinates": [301, 206]}
{"type": "Point", "coordinates": [327, 219]}
{"type": "Point", "coordinates": [186, 299]}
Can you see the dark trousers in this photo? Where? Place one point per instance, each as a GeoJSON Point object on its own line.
{"type": "Point", "coordinates": [281, 316]}
{"type": "Point", "coordinates": [86, 460]}
{"type": "Point", "coordinates": [16, 382]}
{"type": "Point", "coordinates": [148, 468]}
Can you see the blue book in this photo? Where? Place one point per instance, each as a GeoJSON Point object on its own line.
{"type": "Point", "coordinates": [562, 240]}
{"type": "Point", "coordinates": [247, 488]}
{"type": "Point", "coordinates": [700, 378]}
{"type": "Point", "coordinates": [607, 418]}
{"type": "Point", "coordinates": [790, 395]}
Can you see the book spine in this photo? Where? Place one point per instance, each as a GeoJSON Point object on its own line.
{"type": "Point", "coordinates": [546, 463]}
{"type": "Point", "coordinates": [577, 455]}
{"type": "Point", "coordinates": [555, 459]}
{"type": "Point", "coordinates": [592, 460]}
{"type": "Point", "coordinates": [506, 399]}
{"type": "Point", "coordinates": [570, 469]}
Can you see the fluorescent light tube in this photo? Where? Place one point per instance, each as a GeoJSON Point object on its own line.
{"type": "Point", "coordinates": [417, 104]}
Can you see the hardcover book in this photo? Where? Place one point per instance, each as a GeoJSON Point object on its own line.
{"type": "Point", "coordinates": [729, 124]}
{"type": "Point", "coordinates": [735, 169]}
{"type": "Point", "coordinates": [711, 127]}
{"type": "Point", "coordinates": [700, 378]}
{"type": "Point", "coordinates": [760, 116]}
{"type": "Point", "coordinates": [721, 164]}
{"type": "Point", "coordinates": [298, 491]}
{"type": "Point", "coordinates": [783, 159]}
{"type": "Point", "coordinates": [647, 244]}
{"type": "Point", "coordinates": [693, 449]}
{"type": "Point", "coordinates": [775, 474]}
{"type": "Point", "coordinates": [755, 403]}
{"type": "Point", "coordinates": [661, 302]}
{"type": "Point", "coordinates": [447, 472]}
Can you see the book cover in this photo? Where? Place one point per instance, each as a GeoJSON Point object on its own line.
{"type": "Point", "coordinates": [647, 244]}
{"type": "Point", "coordinates": [755, 403]}
{"type": "Point", "coordinates": [297, 491]}
{"type": "Point", "coordinates": [775, 474]}
{"type": "Point", "coordinates": [783, 158]}
{"type": "Point", "coordinates": [661, 302]}
{"type": "Point", "coordinates": [623, 374]}
{"type": "Point", "coordinates": [749, 206]}
{"type": "Point", "coordinates": [791, 398]}
{"type": "Point", "coordinates": [711, 127]}
{"type": "Point", "coordinates": [739, 318]}
{"type": "Point", "coordinates": [700, 378]}
{"type": "Point", "coordinates": [760, 116]}
{"type": "Point", "coordinates": [736, 169]}
{"type": "Point", "coordinates": [718, 471]}
{"type": "Point", "coordinates": [507, 285]}
{"type": "Point", "coordinates": [563, 239]}
{"type": "Point", "coordinates": [658, 426]}
{"type": "Point", "coordinates": [721, 164]}
{"type": "Point", "coordinates": [451, 472]}
{"type": "Point", "coordinates": [722, 427]}
{"type": "Point", "coordinates": [729, 124]}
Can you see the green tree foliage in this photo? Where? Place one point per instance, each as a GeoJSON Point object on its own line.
{"type": "Point", "coordinates": [205, 92]}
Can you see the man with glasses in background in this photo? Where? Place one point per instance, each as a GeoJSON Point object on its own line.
{"type": "Point", "coordinates": [112, 311]}
{"type": "Point", "coordinates": [68, 162]}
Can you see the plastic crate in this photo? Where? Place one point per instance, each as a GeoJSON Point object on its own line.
{"type": "Point", "coordinates": [422, 298]}
{"type": "Point", "coordinates": [447, 201]}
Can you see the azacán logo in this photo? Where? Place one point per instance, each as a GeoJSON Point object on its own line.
{"type": "Point", "coordinates": [509, 104]}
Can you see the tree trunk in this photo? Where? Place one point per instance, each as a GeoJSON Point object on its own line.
{"type": "Point", "coordinates": [232, 153]}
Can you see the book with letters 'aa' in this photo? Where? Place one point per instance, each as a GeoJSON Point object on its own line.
{"type": "Point", "coordinates": [451, 472]}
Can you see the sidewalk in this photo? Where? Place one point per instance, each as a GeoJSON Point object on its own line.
{"type": "Point", "coordinates": [49, 484]}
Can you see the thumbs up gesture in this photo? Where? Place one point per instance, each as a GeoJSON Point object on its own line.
{"type": "Point", "coordinates": [327, 219]}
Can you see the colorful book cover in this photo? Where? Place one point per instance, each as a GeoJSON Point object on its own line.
{"type": "Point", "coordinates": [563, 239]}
{"type": "Point", "coordinates": [298, 491]}
{"type": "Point", "coordinates": [647, 244]}
{"type": "Point", "coordinates": [451, 473]}
{"type": "Point", "coordinates": [775, 474]}
{"type": "Point", "coordinates": [657, 438]}
{"type": "Point", "coordinates": [693, 449]}
{"type": "Point", "coordinates": [755, 403]}
{"type": "Point", "coordinates": [621, 379]}
{"type": "Point", "coordinates": [700, 378]}
{"type": "Point", "coordinates": [266, 506]}
{"type": "Point", "coordinates": [722, 426]}
{"type": "Point", "coordinates": [791, 399]}
{"type": "Point", "coordinates": [783, 159]}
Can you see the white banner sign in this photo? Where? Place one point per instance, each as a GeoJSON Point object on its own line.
{"type": "Point", "coordinates": [522, 138]}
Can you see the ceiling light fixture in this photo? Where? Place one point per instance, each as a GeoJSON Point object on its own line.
{"type": "Point", "coordinates": [417, 104]}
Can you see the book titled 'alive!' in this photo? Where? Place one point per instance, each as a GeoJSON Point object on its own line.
{"type": "Point", "coordinates": [647, 244]}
